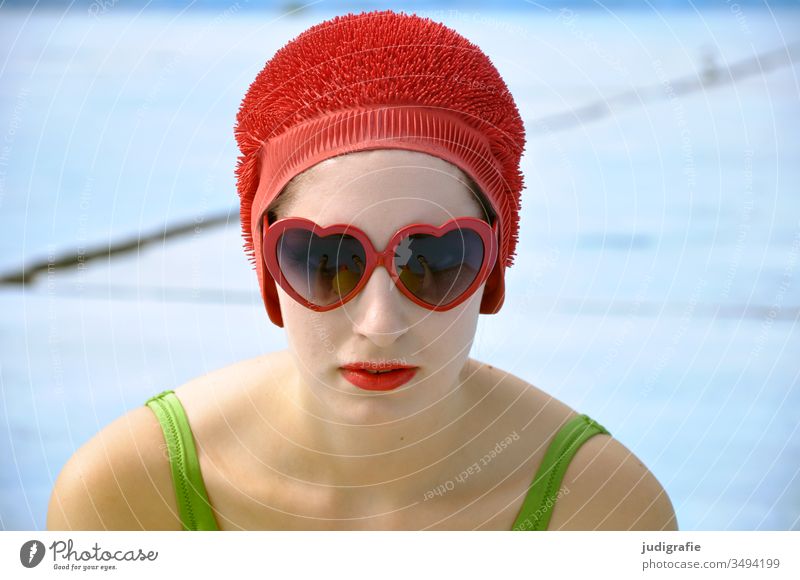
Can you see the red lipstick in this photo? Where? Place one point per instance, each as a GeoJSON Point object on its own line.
{"type": "Point", "coordinates": [373, 376]}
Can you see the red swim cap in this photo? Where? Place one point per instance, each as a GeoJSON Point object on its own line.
{"type": "Point", "coordinates": [379, 80]}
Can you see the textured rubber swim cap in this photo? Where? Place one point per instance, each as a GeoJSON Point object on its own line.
{"type": "Point", "coordinates": [379, 80]}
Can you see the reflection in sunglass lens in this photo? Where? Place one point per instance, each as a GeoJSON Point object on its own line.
{"type": "Point", "coordinates": [322, 270]}
{"type": "Point", "coordinates": [437, 270]}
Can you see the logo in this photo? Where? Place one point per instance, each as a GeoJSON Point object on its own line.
{"type": "Point", "coordinates": [31, 553]}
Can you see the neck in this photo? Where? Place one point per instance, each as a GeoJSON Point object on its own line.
{"type": "Point", "coordinates": [396, 450]}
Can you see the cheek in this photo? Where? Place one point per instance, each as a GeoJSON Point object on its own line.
{"type": "Point", "coordinates": [447, 336]}
{"type": "Point", "coordinates": [464, 317]}
{"type": "Point", "coordinates": [442, 338]}
{"type": "Point", "coordinates": [308, 332]}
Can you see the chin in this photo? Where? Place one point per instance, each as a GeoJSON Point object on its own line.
{"type": "Point", "coordinates": [356, 406]}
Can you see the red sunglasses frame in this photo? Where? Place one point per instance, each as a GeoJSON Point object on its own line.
{"type": "Point", "coordinates": [373, 259]}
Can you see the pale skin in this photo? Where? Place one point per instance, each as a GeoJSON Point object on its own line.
{"type": "Point", "coordinates": [286, 443]}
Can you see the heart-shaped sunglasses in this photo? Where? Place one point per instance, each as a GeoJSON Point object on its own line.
{"type": "Point", "coordinates": [437, 268]}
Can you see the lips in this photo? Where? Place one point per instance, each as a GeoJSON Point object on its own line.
{"type": "Point", "coordinates": [377, 376]}
{"type": "Point", "coordinates": [377, 366]}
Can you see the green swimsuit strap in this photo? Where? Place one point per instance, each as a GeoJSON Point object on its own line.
{"type": "Point", "coordinates": [192, 498]}
{"type": "Point", "coordinates": [538, 505]}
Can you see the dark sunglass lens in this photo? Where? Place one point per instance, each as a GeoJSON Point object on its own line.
{"type": "Point", "coordinates": [321, 269]}
{"type": "Point", "coordinates": [439, 270]}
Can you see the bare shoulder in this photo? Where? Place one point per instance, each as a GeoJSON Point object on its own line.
{"type": "Point", "coordinates": [541, 411]}
{"type": "Point", "coordinates": [224, 396]}
{"type": "Point", "coordinates": [232, 379]}
{"type": "Point", "coordinates": [119, 480]}
{"type": "Point", "coordinates": [607, 487]}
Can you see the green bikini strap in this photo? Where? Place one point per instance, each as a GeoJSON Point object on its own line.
{"type": "Point", "coordinates": [190, 491]}
{"type": "Point", "coordinates": [538, 505]}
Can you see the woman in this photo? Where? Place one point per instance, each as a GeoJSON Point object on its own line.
{"type": "Point", "coordinates": [379, 184]}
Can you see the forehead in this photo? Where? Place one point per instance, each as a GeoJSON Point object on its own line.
{"type": "Point", "coordinates": [381, 191]}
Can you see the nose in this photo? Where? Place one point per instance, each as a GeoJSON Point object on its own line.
{"type": "Point", "coordinates": [379, 311]}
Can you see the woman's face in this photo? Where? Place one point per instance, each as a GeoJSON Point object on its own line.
{"type": "Point", "coordinates": [380, 191]}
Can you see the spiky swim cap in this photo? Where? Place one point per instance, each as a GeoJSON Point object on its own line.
{"type": "Point", "coordinates": [379, 80]}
